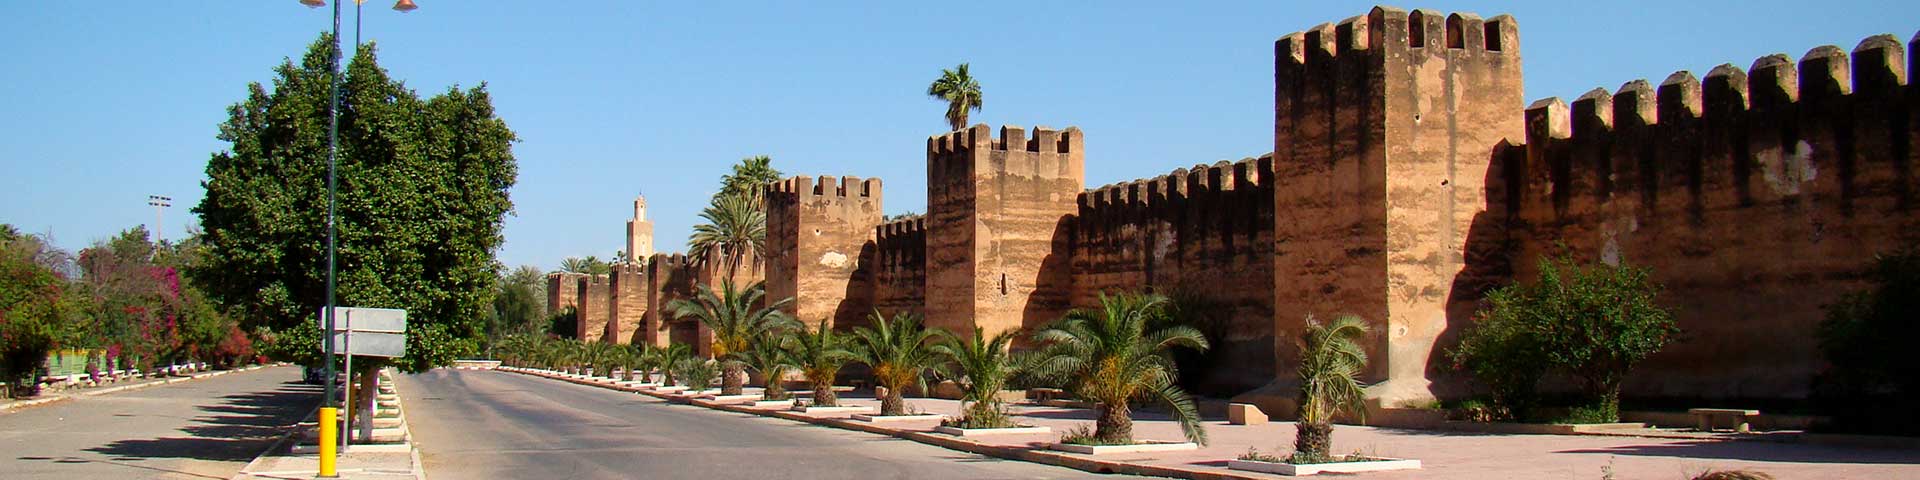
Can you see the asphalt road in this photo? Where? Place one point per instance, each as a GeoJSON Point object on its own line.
{"type": "Point", "coordinates": [206, 428]}
{"type": "Point", "coordinates": [491, 425]}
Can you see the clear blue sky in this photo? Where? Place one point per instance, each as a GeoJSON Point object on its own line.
{"type": "Point", "coordinates": [104, 103]}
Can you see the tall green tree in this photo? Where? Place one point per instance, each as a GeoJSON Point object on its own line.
{"type": "Point", "coordinates": [423, 188]}
{"type": "Point", "coordinates": [37, 308]}
{"type": "Point", "coordinates": [1108, 356]}
{"type": "Point", "coordinates": [736, 318]}
{"type": "Point", "coordinates": [960, 90]}
{"type": "Point", "coordinates": [519, 307]}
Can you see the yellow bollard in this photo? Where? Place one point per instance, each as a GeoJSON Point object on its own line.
{"type": "Point", "coordinates": [329, 441]}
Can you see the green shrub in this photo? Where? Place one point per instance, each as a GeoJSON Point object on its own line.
{"type": "Point", "coordinates": [1591, 322]}
{"type": "Point", "coordinates": [1871, 375]}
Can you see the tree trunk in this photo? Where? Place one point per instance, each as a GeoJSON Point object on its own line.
{"type": "Point", "coordinates": [893, 403]}
{"type": "Point", "coordinates": [823, 395]}
{"type": "Point", "coordinates": [1114, 424]}
{"type": "Point", "coordinates": [646, 376]}
{"type": "Point", "coordinates": [773, 389]}
{"type": "Point", "coordinates": [1312, 441]}
{"type": "Point", "coordinates": [734, 379]}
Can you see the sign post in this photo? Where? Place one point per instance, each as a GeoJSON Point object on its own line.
{"type": "Point", "coordinates": [373, 332]}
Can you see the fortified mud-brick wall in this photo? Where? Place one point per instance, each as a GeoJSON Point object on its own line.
{"type": "Point", "coordinates": [627, 301]}
{"type": "Point", "coordinates": [592, 306]}
{"type": "Point", "coordinates": [1384, 129]}
{"type": "Point", "coordinates": [900, 266]}
{"type": "Point", "coordinates": [820, 247]}
{"type": "Point", "coordinates": [1756, 198]}
{"type": "Point", "coordinates": [669, 278]}
{"type": "Point", "coordinates": [563, 291]}
{"type": "Point", "coordinates": [1202, 236]}
{"type": "Point", "coordinates": [998, 215]}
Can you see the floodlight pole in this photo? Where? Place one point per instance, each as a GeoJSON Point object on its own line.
{"type": "Point", "coordinates": [333, 153]}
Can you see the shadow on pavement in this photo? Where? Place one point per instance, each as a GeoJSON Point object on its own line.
{"type": "Point", "coordinates": [235, 428]}
{"type": "Point", "coordinates": [1761, 452]}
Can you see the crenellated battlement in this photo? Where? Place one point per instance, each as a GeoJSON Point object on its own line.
{"type": "Point", "coordinates": [1222, 176]}
{"type": "Point", "coordinates": [1011, 138]}
{"type": "Point", "coordinates": [901, 228]}
{"type": "Point", "coordinates": [1388, 28]}
{"type": "Point", "coordinates": [827, 186]}
{"type": "Point", "coordinates": [1770, 131]}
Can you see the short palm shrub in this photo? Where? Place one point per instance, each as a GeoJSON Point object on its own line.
{"type": "Point", "coordinates": [600, 356]}
{"type": "Point", "coordinates": [1108, 356]}
{"type": "Point", "coordinates": [819, 354]}
{"type": "Point", "coordinates": [772, 362]}
{"type": "Point", "coordinates": [736, 318]}
{"type": "Point", "coordinates": [1331, 361]}
{"type": "Point", "coordinates": [698, 373]}
{"type": "Point", "coordinates": [1591, 322]}
{"type": "Point", "coordinates": [898, 350]}
{"type": "Point", "coordinates": [647, 358]}
{"type": "Point", "coordinates": [983, 365]}
{"type": "Point", "coordinates": [631, 357]}
{"type": "Point", "coordinates": [672, 358]}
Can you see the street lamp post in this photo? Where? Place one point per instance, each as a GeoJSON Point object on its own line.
{"type": "Point", "coordinates": [329, 428]}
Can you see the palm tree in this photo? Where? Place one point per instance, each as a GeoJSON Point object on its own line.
{"type": "Point", "coordinates": [961, 92]}
{"type": "Point", "coordinates": [1331, 360]}
{"type": "Point", "coordinates": [898, 350]}
{"type": "Point", "coordinates": [819, 355]}
{"type": "Point", "coordinates": [599, 355]}
{"type": "Point", "coordinates": [670, 359]}
{"type": "Point", "coordinates": [735, 233]}
{"type": "Point", "coordinates": [628, 357]}
{"type": "Point", "coordinates": [764, 355]}
{"type": "Point", "coordinates": [735, 322]}
{"type": "Point", "coordinates": [648, 359]}
{"type": "Point", "coordinates": [1107, 356]}
{"type": "Point", "coordinates": [590, 265]}
{"type": "Point", "coordinates": [984, 366]}
{"type": "Point", "coordinates": [749, 179]}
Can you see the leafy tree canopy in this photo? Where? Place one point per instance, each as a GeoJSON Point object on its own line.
{"type": "Point", "coordinates": [422, 197]}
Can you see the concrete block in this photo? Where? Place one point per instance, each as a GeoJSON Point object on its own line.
{"type": "Point", "coordinates": [1245, 414]}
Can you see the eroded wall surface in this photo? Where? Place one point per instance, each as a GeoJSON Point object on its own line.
{"type": "Point", "coordinates": [1756, 197]}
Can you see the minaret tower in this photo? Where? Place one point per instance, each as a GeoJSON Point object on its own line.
{"type": "Point", "coordinates": [639, 231]}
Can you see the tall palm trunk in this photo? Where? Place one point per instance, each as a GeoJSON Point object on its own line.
{"type": "Point", "coordinates": [1114, 423]}
{"type": "Point", "coordinates": [733, 379]}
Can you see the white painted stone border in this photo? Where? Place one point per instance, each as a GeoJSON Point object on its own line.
{"type": "Point", "coordinates": [771, 403]}
{"type": "Point", "coordinates": [730, 399]}
{"type": "Point", "coordinates": [1380, 464]}
{"type": "Point", "coordinates": [1142, 447]}
{"type": "Point", "coordinates": [978, 432]}
{"type": "Point", "coordinates": [840, 409]}
{"type": "Point", "coordinates": [897, 418]}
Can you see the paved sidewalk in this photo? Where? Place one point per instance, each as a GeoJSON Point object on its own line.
{"type": "Point", "coordinates": [352, 465]}
{"type": "Point", "coordinates": [7, 406]}
{"type": "Point", "coordinates": [1445, 455]}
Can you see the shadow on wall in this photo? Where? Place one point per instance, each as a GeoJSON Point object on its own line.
{"type": "Point", "coordinates": [1487, 264]}
{"type": "Point", "coordinates": [1053, 284]}
{"type": "Point", "coordinates": [858, 300]}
